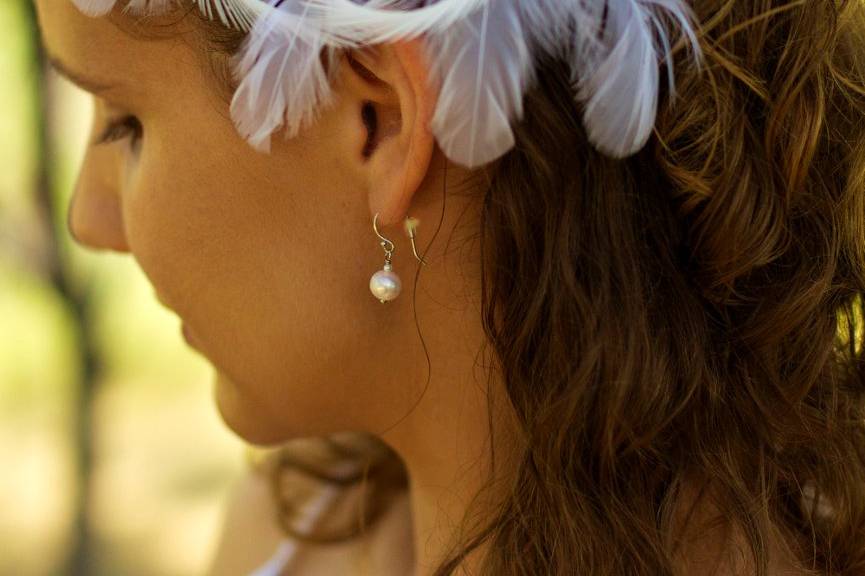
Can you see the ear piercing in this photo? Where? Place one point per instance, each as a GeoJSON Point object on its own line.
{"type": "Point", "coordinates": [385, 284]}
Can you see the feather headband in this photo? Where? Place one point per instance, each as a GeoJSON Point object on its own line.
{"type": "Point", "coordinates": [481, 54]}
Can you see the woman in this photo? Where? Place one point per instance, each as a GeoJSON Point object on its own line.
{"type": "Point", "coordinates": [631, 342]}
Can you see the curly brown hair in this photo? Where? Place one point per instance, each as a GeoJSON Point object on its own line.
{"type": "Point", "coordinates": [683, 325]}
{"type": "Point", "coordinates": [696, 309]}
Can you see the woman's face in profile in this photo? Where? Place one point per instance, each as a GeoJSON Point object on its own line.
{"type": "Point", "coordinates": [265, 257]}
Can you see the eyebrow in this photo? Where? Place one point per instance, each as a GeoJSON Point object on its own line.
{"type": "Point", "coordinates": [93, 86]}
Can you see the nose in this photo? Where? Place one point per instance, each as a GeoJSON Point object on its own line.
{"type": "Point", "coordinates": [95, 216]}
{"type": "Point", "coordinates": [96, 221]}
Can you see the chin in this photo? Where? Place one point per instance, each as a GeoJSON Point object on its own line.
{"type": "Point", "coordinates": [241, 418]}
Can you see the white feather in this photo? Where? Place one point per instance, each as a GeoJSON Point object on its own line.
{"type": "Point", "coordinates": [377, 21]}
{"type": "Point", "coordinates": [619, 85]}
{"type": "Point", "coordinates": [148, 7]}
{"type": "Point", "coordinates": [484, 65]}
{"type": "Point", "coordinates": [239, 14]}
{"type": "Point", "coordinates": [95, 7]}
{"type": "Point", "coordinates": [552, 24]}
{"type": "Point", "coordinates": [615, 62]}
{"type": "Point", "coordinates": [282, 79]}
{"type": "Point", "coordinates": [480, 53]}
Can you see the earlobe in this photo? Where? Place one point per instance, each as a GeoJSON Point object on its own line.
{"type": "Point", "coordinates": [402, 164]}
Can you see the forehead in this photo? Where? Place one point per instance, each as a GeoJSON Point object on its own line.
{"type": "Point", "coordinates": [101, 48]}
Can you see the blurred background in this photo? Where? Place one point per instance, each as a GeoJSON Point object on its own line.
{"type": "Point", "coordinates": [113, 459]}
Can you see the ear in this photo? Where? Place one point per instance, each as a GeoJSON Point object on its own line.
{"type": "Point", "coordinates": [394, 96]}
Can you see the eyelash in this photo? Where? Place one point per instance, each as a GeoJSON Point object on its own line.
{"type": "Point", "coordinates": [126, 127]}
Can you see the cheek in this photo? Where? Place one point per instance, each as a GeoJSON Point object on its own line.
{"type": "Point", "coordinates": [261, 274]}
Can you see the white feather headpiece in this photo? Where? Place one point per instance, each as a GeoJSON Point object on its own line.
{"type": "Point", "coordinates": [481, 53]}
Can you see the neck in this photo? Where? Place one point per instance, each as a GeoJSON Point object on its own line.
{"type": "Point", "coordinates": [446, 446]}
{"type": "Point", "coordinates": [445, 441]}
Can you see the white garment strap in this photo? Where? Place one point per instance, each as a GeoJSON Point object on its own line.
{"type": "Point", "coordinates": [288, 548]}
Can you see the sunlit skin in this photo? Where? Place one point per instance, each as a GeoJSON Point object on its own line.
{"type": "Point", "coordinates": [267, 257]}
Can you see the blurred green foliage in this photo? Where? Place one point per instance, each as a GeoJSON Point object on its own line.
{"type": "Point", "coordinates": [162, 460]}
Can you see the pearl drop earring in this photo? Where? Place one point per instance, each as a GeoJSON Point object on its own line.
{"type": "Point", "coordinates": [385, 284]}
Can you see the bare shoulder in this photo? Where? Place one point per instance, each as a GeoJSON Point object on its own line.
{"type": "Point", "coordinates": [387, 548]}
{"type": "Point", "coordinates": [250, 533]}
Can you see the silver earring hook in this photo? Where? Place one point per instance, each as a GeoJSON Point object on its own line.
{"type": "Point", "coordinates": [384, 241]}
{"type": "Point", "coordinates": [410, 225]}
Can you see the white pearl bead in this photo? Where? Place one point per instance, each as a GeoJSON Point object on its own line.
{"type": "Point", "coordinates": [385, 285]}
